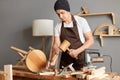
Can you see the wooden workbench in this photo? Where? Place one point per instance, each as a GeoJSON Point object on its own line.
{"type": "Point", "coordinates": [27, 75]}
{"type": "Point", "coordinates": [23, 75]}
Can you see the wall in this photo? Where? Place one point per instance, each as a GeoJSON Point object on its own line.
{"type": "Point", "coordinates": [16, 18]}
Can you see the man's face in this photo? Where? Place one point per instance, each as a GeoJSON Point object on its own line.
{"type": "Point", "coordinates": [63, 14]}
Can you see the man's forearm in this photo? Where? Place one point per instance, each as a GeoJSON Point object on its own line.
{"type": "Point", "coordinates": [86, 45]}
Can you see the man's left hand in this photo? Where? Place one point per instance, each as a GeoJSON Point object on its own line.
{"type": "Point", "coordinates": [73, 53]}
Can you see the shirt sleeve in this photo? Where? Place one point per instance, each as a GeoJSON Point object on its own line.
{"type": "Point", "coordinates": [83, 27]}
{"type": "Point", "coordinates": [57, 29]}
{"type": "Point", "coordinates": [86, 27]}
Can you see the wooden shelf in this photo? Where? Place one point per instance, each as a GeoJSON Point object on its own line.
{"type": "Point", "coordinates": [99, 14]}
{"type": "Point", "coordinates": [110, 35]}
{"type": "Point", "coordinates": [96, 14]}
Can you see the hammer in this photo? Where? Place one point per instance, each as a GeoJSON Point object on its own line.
{"type": "Point", "coordinates": [63, 47]}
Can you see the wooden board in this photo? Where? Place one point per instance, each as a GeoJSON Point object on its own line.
{"type": "Point", "coordinates": [22, 75]}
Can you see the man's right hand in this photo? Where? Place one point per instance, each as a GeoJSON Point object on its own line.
{"type": "Point", "coordinates": [50, 64]}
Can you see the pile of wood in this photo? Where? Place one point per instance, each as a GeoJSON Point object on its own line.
{"type": "Point", "coordinates": [96, 74]}
{"type": "Point", "coordinates": [113, 76]}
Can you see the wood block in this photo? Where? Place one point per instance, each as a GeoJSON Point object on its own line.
{"type": "Point", "coordinates": [8, 72]}
{"type": "Point", "coordinates": [2, 76]}
{"type": "Point", "coordinates": [99, 76]}
{"type": "Point", "coordinates": [101, 69]}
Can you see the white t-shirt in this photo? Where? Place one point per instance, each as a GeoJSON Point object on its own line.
{"type": "Point", "coordinates": [82, 25]}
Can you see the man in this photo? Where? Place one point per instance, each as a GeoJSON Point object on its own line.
{"type": "Point", "coordinates": [76, 30]}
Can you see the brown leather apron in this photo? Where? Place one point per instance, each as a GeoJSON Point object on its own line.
{"type": "Point", "coordinates": [71, 34]}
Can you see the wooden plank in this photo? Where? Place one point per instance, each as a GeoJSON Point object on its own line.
{"type": "Point", "coordinates": [8, 72]}
{"type": "Point", "coordinates": [98, 70]}
{"type": "Point", "coordinates": [98, 76]}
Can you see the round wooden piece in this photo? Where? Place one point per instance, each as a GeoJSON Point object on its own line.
{"type": "Point", "coordinates": [36, 60]}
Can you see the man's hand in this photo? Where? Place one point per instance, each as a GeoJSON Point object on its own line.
{"type": "Point", "coordinates": [49, 64]}
{"type": "Point", "coordinates": [73, 53]}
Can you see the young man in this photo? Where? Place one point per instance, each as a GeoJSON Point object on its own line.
{"type": "Point", "coordinates": [76, 30]}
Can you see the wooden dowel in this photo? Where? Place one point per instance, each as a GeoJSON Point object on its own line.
{"type": "Point", "coordinates": [18, 50]}
{"type": "Point", "coordinates": [31, 48]}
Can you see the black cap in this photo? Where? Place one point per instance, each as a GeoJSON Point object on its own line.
{"type": "Point", "coordinates": [62, 4]}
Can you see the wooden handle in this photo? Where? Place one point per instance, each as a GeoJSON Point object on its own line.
{"type": "Point", "coordinates": [18, 50]}
{"type": "Point", "coordinates": [97, 59]}
{"type": "Point", "coordinates": [55, 57]}
{"type": "Point", "coordinates": [31, 48]}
